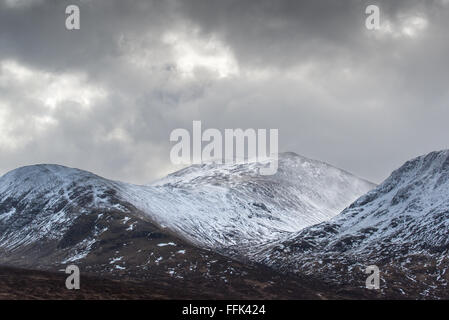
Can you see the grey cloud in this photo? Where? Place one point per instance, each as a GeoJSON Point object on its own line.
{"type": "Point", "coordinates": [336, 91]}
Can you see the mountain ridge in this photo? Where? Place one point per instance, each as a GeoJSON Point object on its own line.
{"type": "Point", "coordinates": [53, 215]}
{"type": "Point", "coordinates": [400, 226]}
{"type": "Point", "coordinates": [232, 200]}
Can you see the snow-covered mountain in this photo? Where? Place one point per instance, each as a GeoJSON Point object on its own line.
{"type": "Point", "coordinates": [42, 201]}
{"type": "Point", "coordinates": [66, 213]}
{"type": "Point", "coordinates": [402, 226]}
{"type": "Point", "coordinates": [52, 215]}
{"type": "Point", "coordinates": [231, 204]}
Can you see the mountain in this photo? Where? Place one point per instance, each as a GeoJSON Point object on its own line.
{"type": "Point", "coordinates": [401, 226]}
{"type": "Point", "coordinates": [235, 233]}
{"type": "Point", "coordinates": [51, 216]}
{"type": "Point", "coordinates": [222, 205]}
{"type": "Point", "coordinates": [210, 205]}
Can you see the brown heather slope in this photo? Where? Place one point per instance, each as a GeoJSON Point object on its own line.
{"type": "Point", "coordinates": [261, 283]}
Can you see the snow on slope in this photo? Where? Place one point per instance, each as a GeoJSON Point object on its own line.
{"type": "Point", "coordinates": [403, 224]}
{"type": "Point", "coordinates": [231, 204]}
{"type": "Point", "coordinates": [211, 205]}
{"type": "Point", "coordinates": [41, 201]}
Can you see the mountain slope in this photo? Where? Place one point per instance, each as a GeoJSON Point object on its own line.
{"type": "Point", "coordinates": [41, 202]}
{"type": "Point", "coordinates": [52, 216]}
{"type": "Point", "coordinates": [213, 206]}
{"type": "Point", "coordinates": [224, 205]}
{"type": "Point", "coordinates": [401, 226]}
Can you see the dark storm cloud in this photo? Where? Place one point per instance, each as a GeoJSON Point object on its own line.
{"type": "Point", "coordinates": [106, 97]}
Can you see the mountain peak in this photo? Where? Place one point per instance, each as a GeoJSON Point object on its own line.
{"type": "Point", "coordinates": [400, 223]}
{"type": "Point", "coordinates": [42, 169]}
{"type": "Point", "coordinates": [212, 204]}
{"type": "Point", "coordinates": [42, 176]}
{"type": "Point", "coordinates": [431, 163]}
{"type": "Point", "coordinates": [289, 154]}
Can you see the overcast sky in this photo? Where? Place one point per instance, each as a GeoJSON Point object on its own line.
{"type": "Point", "coordinates": [106, 97]}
